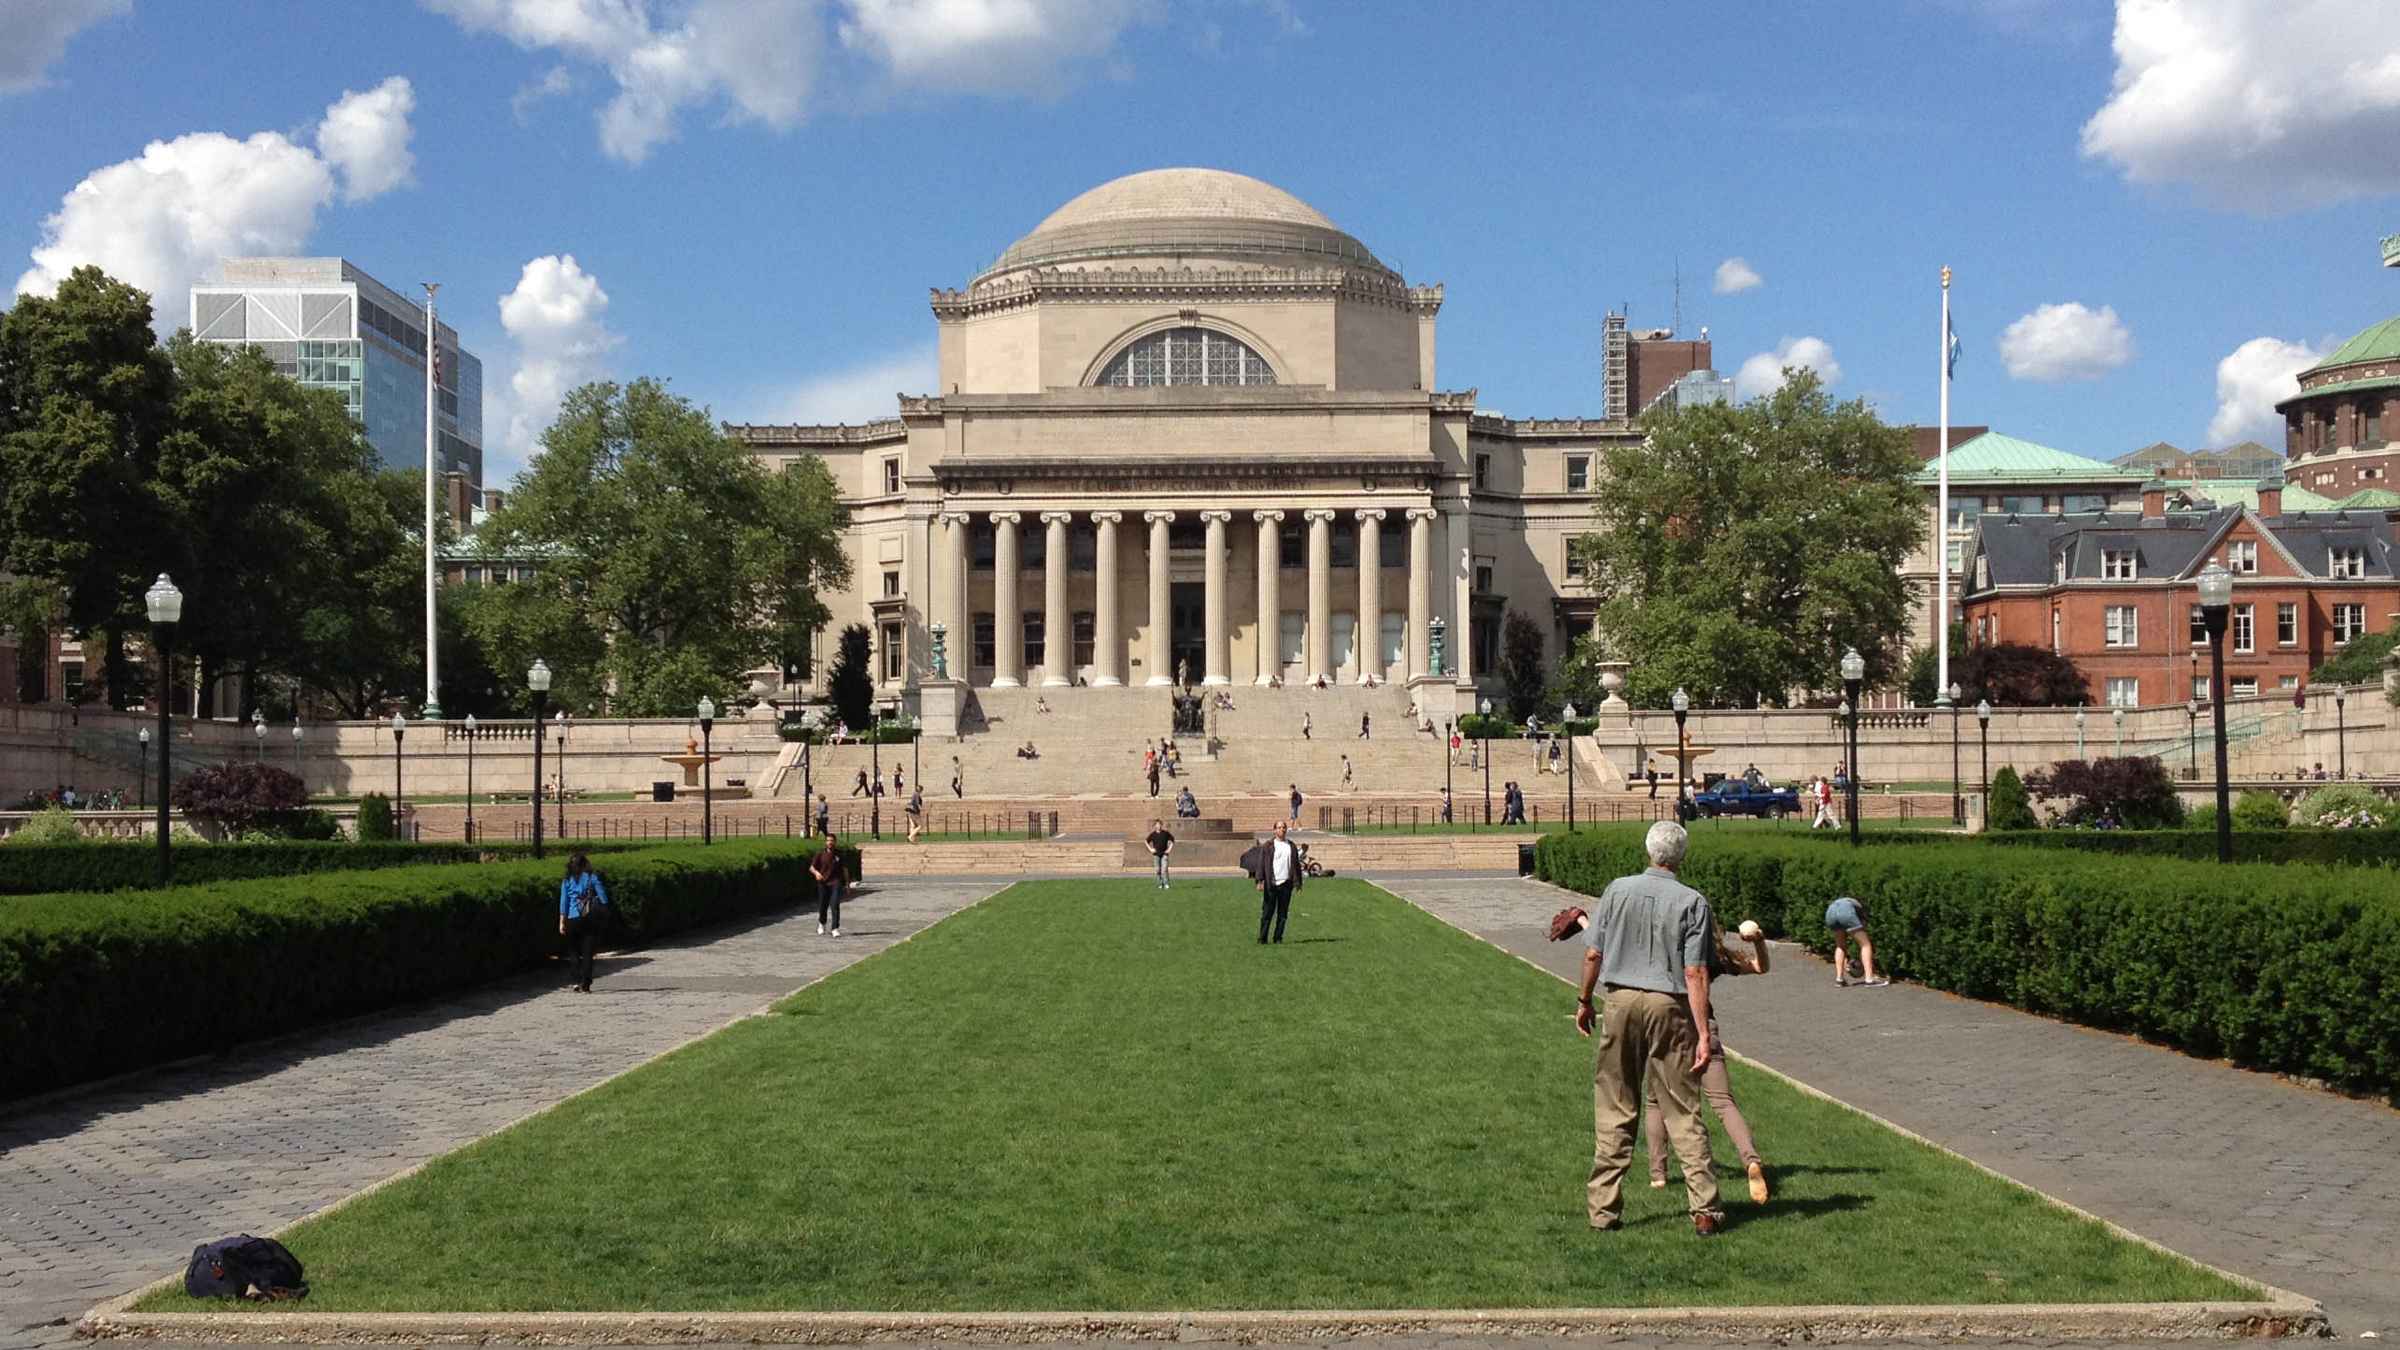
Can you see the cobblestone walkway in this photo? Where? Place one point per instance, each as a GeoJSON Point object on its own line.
{"type": "Point", "coordinates": [2283, 1183]}
{"type": "Point", "coordinates": [105, 1189]}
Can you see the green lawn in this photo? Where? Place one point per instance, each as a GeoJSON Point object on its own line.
{"type": "Point", "coordinates": [1087, 1095]}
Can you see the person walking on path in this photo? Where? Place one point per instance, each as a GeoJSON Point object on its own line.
{"type": "Point", "coordinates": [1647, 948]}
{"type": "Point", "coordinates": [1366, 722]}
{"type": "Point", "coordinates": [824, 815]}
{"type": "Point", "coordinates": [958, 780]}
{"type": "Point", "coordinates": [1346, 778]}
{"type": "Point", "coordinates": [1306, 727]}
{"type": "Point", "coordinates": [1847, 917]}
{"type": "Point", "coordinates": [899, 781]}
{"type": "Point", "coordinates": [1151, 772]}
{"type": "Point", "coordinates": [1727, 956]}
{"type": "Point", "coordinates": [859, 788]}
{"type": "Point", "coordinates": [832, 880]}
{"type": "Point", "coordinates": [582, 908]}
{"type": "Point", "coordinates": [1296, 800]}
{"type": "Point", "coordinates": [1445, 806]}
{"type": "Point", "coordinates": [1650, 771]}
{"type": "Point", "coordinates": [916, 814]}
{"type": "Point", "coordinates": [1278, 876]}
{"type": "Point", "coordinates": [1821, 792]}
{"type": "Point", "coordinates": [1161, 844]}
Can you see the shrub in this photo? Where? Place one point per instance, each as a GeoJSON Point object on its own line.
{"type": "Point", "coordinates": [119, 865]}
{"type": "Point", "coordinates": [2343, 806]}
{"type": "Point", "coordinates": [310, 824]}
{"type": "Point", "coordinates": [82, 980]}
{"type": "Point", "coordinates": [1477, 727]}
{"type": "Point", "coordinates": [2274, 966]}
{"type": "Point", "coordinates": [2008, 808]}
{"type": "Point", "coordinates": [375, 823]}
{"type": "Point", "coordinates": [2337, 848]}
{"type": "Point", "coordinates": [2259, 810]}
{"type": "Point", "coordinates": [50, 825]}
{"type": "Point", "coordinates": [239, 796]}
{"type": "Point", "coordinates": [2125, 792]}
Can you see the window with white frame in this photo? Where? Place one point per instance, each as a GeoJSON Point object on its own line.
{"type": "Point", "coordinates": [891, 475]}
{"type": "Point", "coordinates": [2245, 631]}
{"type": "Point", "coordinates": [2116, 564]}
{"type": "Point", "coordinates": [2245, 686]}
{"type": "Point", "coordinates": [2200, 688]}
{"type": "Point", "coordinates": [2123, 626]}
{"type": "Point", "coordinates": [2124, 691]}
{"type": "Point", "coordinates": [2346, 562]}
{"type": "Point", "coordinates": [1579, 473]}
{"type": "Point", "coordinates": [2349, 621]}
{"type": "Point", "coordinates": [2199, 634]}
{"type": "Point", "coordinates": [2241, 555]}
{"type": "Point", "coordinates": [2287, 682]}
{"type": "Point", "coordinates": [1958, 554]}
{"type": "Point", "coordinates": [895, 653]}
{"type": "Point", "coordinates": [2287, 624]}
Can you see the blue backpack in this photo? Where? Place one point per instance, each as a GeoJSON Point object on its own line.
{"type": "Point", "coordinates": [244, 1267]}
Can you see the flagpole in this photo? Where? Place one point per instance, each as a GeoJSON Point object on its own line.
{"type": "Point", "coordinates": [433, 375]}
{"type": "Point", "coordinates": [1941, 516]}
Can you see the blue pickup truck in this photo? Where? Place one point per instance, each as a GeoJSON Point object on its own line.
{"type": "Point", "coordinates": [1733, 797]}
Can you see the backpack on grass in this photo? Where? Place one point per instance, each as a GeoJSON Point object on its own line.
{"type": "Point", "coordinates": [244, 1267]}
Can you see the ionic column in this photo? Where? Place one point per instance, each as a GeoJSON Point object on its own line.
{"type": "Point", "coordinates": [1462, 618]}
{"type": "Point", "coordinates": [1008, 625]}
{"type": "Point", "coordinates": [1270, 595]}
{"type": "Point", "coordinates": [1420, 589]}
{"type": "Point", "coordinates": [961, 641]}
{"type": "Point", "coordinates": [1217, 648]}
{"type": "Point", "coordinates": [1106, 659]}
{"type": "Point", "coordinates": [1162, 651]}
{"type": "Point", "coordinates": [1058, 624]}
{"type": "Point", "coordinates": [1320, 593]}
{"type": "Point", "coordinates": [1367, 640]}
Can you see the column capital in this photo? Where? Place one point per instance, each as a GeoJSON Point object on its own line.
{"type": "Point", "coordinates": [1155, 517]}
{"type": "Point", "coordinates": [1315, 514]}
{"type": "Point", "coordinates": [1423, 513]}
{"type": "Point", "coordinates": [1267, 517]}
{"type": "Point", "coordinates": [1216, 517]}
{"type": "Point", "coordinates": [955, 518]}
{"type": "Point", "coordinates": [1107, 517]}
{"type": "Point", "coordinates": [1007, 517]}
{"type": "Point", "coordinates": [1371, 513]}
{"type": "Point", "coordinates": [1057, 517]}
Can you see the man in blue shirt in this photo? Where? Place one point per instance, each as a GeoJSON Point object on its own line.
{"type": "Point", "coordinates": [1647, 946]}
{"type": "Point", "coordinates": [582, 905]}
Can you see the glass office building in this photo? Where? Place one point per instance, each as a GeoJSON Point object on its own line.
{"type": "Point", "coordinates": [328, 324]}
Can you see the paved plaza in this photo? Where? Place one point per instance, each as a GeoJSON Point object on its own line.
{"type": "Point", "coordinates": [108, 1187]}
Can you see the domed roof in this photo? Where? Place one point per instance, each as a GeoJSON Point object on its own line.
{"type": "Point", "coordinates": [2379, 343]}
{"type": "Point", "coordinates": [1174, 212]}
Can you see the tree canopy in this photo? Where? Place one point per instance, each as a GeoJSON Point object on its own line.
{"type": "Point", "coordinates": [2009, 674]}
{"type": "Point", "coordinates": [1743, 548]}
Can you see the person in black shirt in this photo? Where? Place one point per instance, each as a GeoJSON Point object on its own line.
{"type": "Point", "coordinates": [1161, 844]}
{"type": "Point", "coordinates": [832, 880]}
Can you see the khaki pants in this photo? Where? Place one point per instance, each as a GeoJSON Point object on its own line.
{"type": "Point", "coordinates": [1645, 1036]}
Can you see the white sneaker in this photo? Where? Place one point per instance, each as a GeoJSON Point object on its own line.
{"type": "Point", "coordinates": [837, 932]}
{"type": "Point", "coordinates": [820, 930]}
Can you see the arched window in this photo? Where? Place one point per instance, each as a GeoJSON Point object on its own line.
{"type": "Point", "coordinates": [1187, 356]}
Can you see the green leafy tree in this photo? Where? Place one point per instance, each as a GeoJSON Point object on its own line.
{"type": "Point", "coordinates": [850, 684]}
{"type": "Point", "coordinates": [1744, 548]}
{"type": "Point", "coordinates": [665, 546]}
{"type": "Point", "coordinates": [2128, 791]}
{"type": "Point", "coordinates": [2010, 674]}
{"type": "Point", "coordinates": [1578, 678]}
{"type": "Point", "coordinates": [1523, 668]}
{"type": "Point", "coordinates": [2009, 808]}
{"type": "Point", "coordinates": [375, 821]}
{"type": "Point", "coordinates": [2360, 661]}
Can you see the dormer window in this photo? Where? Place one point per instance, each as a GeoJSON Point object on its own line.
{"type": "Point", "coordinates": [2241, 555]}
{"type": "Point", "coordinates": [2058, 567]}
{"type": "Point", "coordinates": [2346, 563]}
{"type": "Point", "coordinates": [2116, 564]}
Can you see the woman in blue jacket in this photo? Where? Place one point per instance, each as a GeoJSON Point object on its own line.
{"type": "Point", "coordinates": [582, 905]}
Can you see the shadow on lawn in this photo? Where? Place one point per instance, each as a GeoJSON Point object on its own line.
{"type": "Point", "coordinates": [1742, 1216]}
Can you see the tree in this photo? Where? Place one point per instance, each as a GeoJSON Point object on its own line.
{"type": "Point", "coordinates": [2360, 661]}
{"type": "Point", "coordinates": [2010, 674]}
{"type": "Point", "coordinates": [1742, 549]}
{"type": "Point", "coordinates": [667, 545]}
{"type": "Point", "coordinates": [850, 684]}
{"type": "Point", "coordinates": [1522, 667]}
{"type": "Point", "coordinates": [2131, 792]}
{"type": "Point", "coordinates": [238, 796]}
{"type": "Point", "coordinates": [2007, 808]}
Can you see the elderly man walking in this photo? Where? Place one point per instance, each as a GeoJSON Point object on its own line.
{"type": "Point", "coordinates": [1647, 947]}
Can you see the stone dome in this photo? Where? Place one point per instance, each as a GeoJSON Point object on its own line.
{"type": "Point", "coordinates": [1192, 216]}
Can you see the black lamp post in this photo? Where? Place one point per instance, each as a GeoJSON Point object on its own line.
{"type": "Point", "coordinates": [538, 680]}
{"type": "Point", "coordinates": [470, 730]}
{"type": "Point", "coordinates": [1854, 677]}
{"type": "Point", "coordinates": [1682, 703]}
{"type": "Point", "coordinates": [258, 736]}
{"type": "Point", "coordinates": [165, 604]}
{"type": "Point", "coordinates": [1958, 801]}
{"type": "Point", "coordinates": [1449, 763]}
{"type": "Point", "coordinates": [2191, 727]}
{"type": "Point", "coordinates": [808, 786]}
{"type": "Point", "coordinates": [560, 721]}
{"type": "Point", "coordinates": [708, 819]}
{"type": "Point", "coordinates": [875, 757]}
{"type": "Point", "coordinates": [1483, 734]}
{"type": "Point", "coordinates": [141, 781]}
{"type": "Point", "coordinates": [299, 766]}
{"type": "Point", "coordinates": [399, 730]}
{"type": "Point", "coordinates": [1983, 744]}
{"type": "Point", "coordinates": [2216, 601]}
{"type": "Point", "coordinates": [2341, 733]}
{"type": "Point", "coordinates": [1567, 728]}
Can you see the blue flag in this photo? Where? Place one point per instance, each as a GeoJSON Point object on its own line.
{"type": "Point", "coordinates": [1950, 362]}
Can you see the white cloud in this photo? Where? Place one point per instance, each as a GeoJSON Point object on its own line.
{"type": "Point", "coordinates": [557, 318]}
{"type": "Point", "coordinates": [862, 392]}
{"type": "Point", "coordinates": [365, 137]}
{"type": "Point", "coordinates": [1763, 373]}
{"type": "Point", "coordinates": [35, 33]}
{"type": "Point", "coordinates": [2066, 342]}
{"type": "Point", "coordinates": [554, 82]}
{"type": "Point", "coordinates": [2251, 380]}
{"type": "Point", "coordinates": [1735, 276]}
{"type": "Point", "coordinates": [2270, 106]}
{"type": "Point", "coordinates": [987, 46]}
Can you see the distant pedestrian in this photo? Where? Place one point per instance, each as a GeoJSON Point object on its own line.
{"type": "Point", "coordinates": [824, 815]}
{"type": "Point", "coordinates": [1346, 779]}
{"type": "Point", "coordinates": [1152, 774]}
{"type": "Point", "coordinates": [899, 781]}
{"type": "Point", "coordinates": [582, 908]}
{"type": "Point", "coordinates": [1366, 722]}
{"type": "Point", "coordinates": [1279, 874]}
{"type": "Point", "coordinates": [916, 815]}
{"type": "Point", "coordinates": [859, 788]}
{"type": "Point", "coordinates": [1445, 806]}
{"type": "Point", "coordinates": [1650, 771]}
{"type": "Point", "coordinates": [1161, 844]}
{"type": "Point", "coordinates": [1553, 765]}
{"type": "Point", "coordinates": [1306, 728]}
{"type": "Point", "coordinates": [958, 780]}
{"type": "Point", "coordinates": [1820, 792]}
{"type": "Point", "coordinates": [833, 880]}
{"type": "Point", "coordinates": [1457, 742]}
{"type": "Point", "coordinates": [1847, 918]}
{"type": "Point", "coordinates": [1296, 800]}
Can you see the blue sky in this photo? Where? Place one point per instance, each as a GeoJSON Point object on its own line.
{"type": "Point", "coordinates": [2155, 214]}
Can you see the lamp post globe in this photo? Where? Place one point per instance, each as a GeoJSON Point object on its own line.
{"type": "Point", "coordinates": [164, 604]}
{"type": "Point", "coordinates": [1854, 676]}
{"type": "Point", "coordinates": [1958, 801]}
{"type": "Point", "coordinates": [1483, 734]}
{"type": "Point", "coordinates": [469, 727]}
{"type": "Point", "coordinates": [559, 721]}
{"type": "Point", "coordinates": [1681, 702]}
{"type": "Point", "coordinates": [2191, 727]}
{"type": "Point", "coordinates": [2341, 733]}
{"type": "Point", "coordinates": [399, 732]}
{"type": "Point", "coordinates": [141, 779]}
{"type": "Point", "coordinates": [2215, 585]}
{"type": "Point", "coordinates": [2079, 731]}
{"type": "Point", "coordinates": [2116, 717]}
{"type": "Point", "coordinates": [258, 735]}
{"type": "Point", "coordinates": [537, 680]}
{"type": "Point", "coordinates": [708, 720]}
{"type": "Point", "coordinates": [1983, 742]}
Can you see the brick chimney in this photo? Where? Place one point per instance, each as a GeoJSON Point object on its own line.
{"type": "Point", "coordinates": [2270, 497]}
{"type": "Point", "coordinates": [2154, 499]}
{"type": "Point", "coordinates": [458, 495]}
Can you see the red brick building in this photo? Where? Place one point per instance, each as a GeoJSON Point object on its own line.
{"type": "Point", "coordinates": [2342, 430]}
{"type": "Point", "coordinates": [2116, 593]}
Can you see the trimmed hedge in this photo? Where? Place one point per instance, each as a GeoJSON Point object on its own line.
{"type": "Point", "coordinates": [116, 865]}
{"type": "Point", "coordinates": [2277, 967]}
{"type": "Point", "coordinates": [88, 990]}
{"type": "Point", "coordinates": [2333, 848]}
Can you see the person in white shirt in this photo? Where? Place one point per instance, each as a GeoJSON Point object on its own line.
{"type": "Point", "coordinates": [1278, 876]}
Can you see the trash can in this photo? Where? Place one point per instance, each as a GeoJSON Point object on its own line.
{"type": "Point", "coordinates": [662, 790]}
{"type": "Point", "coordinates": [1524, 860]}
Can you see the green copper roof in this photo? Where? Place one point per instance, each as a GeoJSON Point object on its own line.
{"type": "Point", "coordinates": [1994, 458]}
{"type": "Point", "coordinates": [2236, 492]}
{"type": "Point", "coordinates": [2370, 499]}
{"type": "Point", "coordinates": [2379, 343]}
